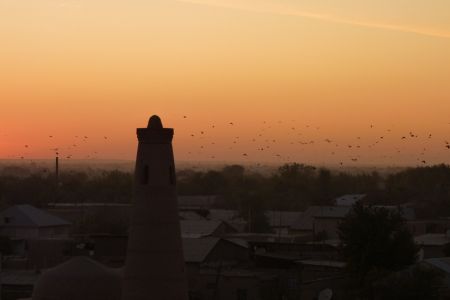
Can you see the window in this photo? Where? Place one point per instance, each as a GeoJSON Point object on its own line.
{"type": "Point", "coordinates": [144, 175]}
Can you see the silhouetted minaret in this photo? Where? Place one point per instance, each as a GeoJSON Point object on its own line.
{"type": "Point", "coordinates": [154, 267]}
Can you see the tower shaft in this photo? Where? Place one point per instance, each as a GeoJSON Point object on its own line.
{"type": "Point", "coordinates": [154, 267]}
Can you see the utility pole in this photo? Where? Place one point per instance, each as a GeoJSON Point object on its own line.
{"type": "Point", "coordinates": [57, 177]}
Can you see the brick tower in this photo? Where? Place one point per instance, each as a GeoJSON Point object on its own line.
{"type": "Point", "coordinates": [154, 267]}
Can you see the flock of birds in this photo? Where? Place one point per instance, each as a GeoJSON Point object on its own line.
{"type": "Point", "coordinates": [68, 150]}
{"type": "Point", "coordinates": [352, 151]}
{"type": "Point", "coordinates": [263, 146]}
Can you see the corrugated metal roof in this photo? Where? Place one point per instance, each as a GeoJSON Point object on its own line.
{"type": "Point", "coordinates": [190, 216]}
{"type": "Point", "coordinates": [305, 220]}
{"type": "Point", "coordinates": [29, 216]}
{"type": "Point", "coordinates": [442, 263]}
{"type": "Point", "coordinates": [197, 201]}
{"type": "Point", "coordinates": [196, 250]}
{"type": "Point", "coordinates": [239, 242]}
{"type": "Point", "coordinates": [283, 218]}
{"type": "Point", "coordinates": [337, 212]}
{"type": "Point", "coordinates": [408, 213]}
{"type": "Point", "coordinates": [432, 239]}
{"type": "Point", "coordinates": [323, 263]}
{"type": "Point", "coordinates": [349, 199]}
{"type": "Point", "coordinates": [19, 277]}
{"type": "Point", "coordinates": [223, 214]}
{"type": "Point", "coordinates": [198, 228]}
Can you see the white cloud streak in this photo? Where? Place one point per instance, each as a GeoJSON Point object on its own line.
{"type": "Point", "coordinates": [323, 17]}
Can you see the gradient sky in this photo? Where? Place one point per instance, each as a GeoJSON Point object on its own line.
{"type": "Point", "coordinates": [286, 73]}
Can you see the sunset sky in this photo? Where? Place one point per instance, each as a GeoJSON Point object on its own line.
{"type": "Point", "coordinates": [351, 81]}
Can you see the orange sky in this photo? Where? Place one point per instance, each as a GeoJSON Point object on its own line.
{"type": "Point", "coordinates": [328, 69]}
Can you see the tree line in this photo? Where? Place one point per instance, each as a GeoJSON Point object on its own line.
{"type": "Point", "coordinates": [290, 187]}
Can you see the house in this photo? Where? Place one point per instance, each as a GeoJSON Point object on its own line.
{"type": "Point", "coordinates": [282, 222]}
{"type": "Point", "coordinates": [190, 215]}
{"type": "Point", "coordinates": [230, 216]}
{"type": "Point", "coordinates": [28, 222]}
{"type": "Point", "coordinates": [320, 220]}
{"type": "Point", "coordinates": [210, 250]}
{"type": "Point", "coordinates": [222, 269]}
{"type": "Point", "coordinates": [210, 253]}
{"type": "Point", "coordinates": [349, 200]}
{"type": "Point", "coordinates": [327, 220]}
{"type": "Point", "coordinates": [424, 226]}
{"type": "Point", "coordinates": [323, 221]}
{"type": "Point", "coordinates": [432, 244]}
{"type": "Point", "coordinates": [240, 284]}
{"type": "Point", "coordinates": [18, 284]}
{"type": "Point", "coordinates": [204, 228]}
{"type": "Point", "coordinates": [262, 250]}
{"type": "Point", "coordinates": [418, 274]}
{"type": "Point", "coordinates": [201, 201]}
{"type": "Point", "coordinates": [442, 265]}
{"type": "Point", "coordinates": [314, 269]}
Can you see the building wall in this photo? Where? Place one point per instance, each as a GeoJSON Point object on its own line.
{"type": "Point", "coordinates": [313, 251]}
{"type": "Point", "coordinates": [15, 292]}
{"type": "Point", "coordinates": [27, 233]}
{"type": "Point", "coordinates": [246, 288]}
{"type": "Point", "coordinates": [49, 253]}
{"type": "Point", "coordinates": [20, 232]}
{"type": "Point", "coordinates": [311, 272]}
{"type": "Point", "coordinates": [327, 225]}
{"type": "Point", "coordinates": [311, 289]}
{"type": "Point", "coordinates": [223, 229]}
{"type": "Point", "coordinates": [227, 251]}
{"type": "Point", "coordinates": [211, 286]}
{"type": "Point", "coordinates": [433, 251]}
{"type": "Point", "coordinates": [110, 250]}
{"type": "Point", "coordinates": [54, 232]}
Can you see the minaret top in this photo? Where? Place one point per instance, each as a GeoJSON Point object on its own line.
{"type": "Point", "coordinates": [155, 122]}
{"type": "Point", "coordinates": [155, 133]}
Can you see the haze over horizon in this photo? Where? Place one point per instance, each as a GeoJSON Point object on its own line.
{"type": "Point", "coordinates": [323, 82]}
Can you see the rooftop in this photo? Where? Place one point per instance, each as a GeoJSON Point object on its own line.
{"type": "Point", "coordinates": [349, 199]}
{"type": "Point", "coordinates": [29, 216]}
{"type": "Point", "coordinates": [198, 228]}
{"type": "Point", "coordinates": [442, 263]}
{"type": "Point", "coordinates": [196, 250]}
{"type": "Point", "coordinates": [324, 263]}
{"type": "Point", "coordinates": [432, 239]}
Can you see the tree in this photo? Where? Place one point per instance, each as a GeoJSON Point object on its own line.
{"type": "Point", "coordinates": [324, 189]}
{"type": "Point", "coordinates": [376, 239]}
{"type": "Point", "coordinates": [415, 283]}
{"type": "Point", "coordinates": [292, 186]}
